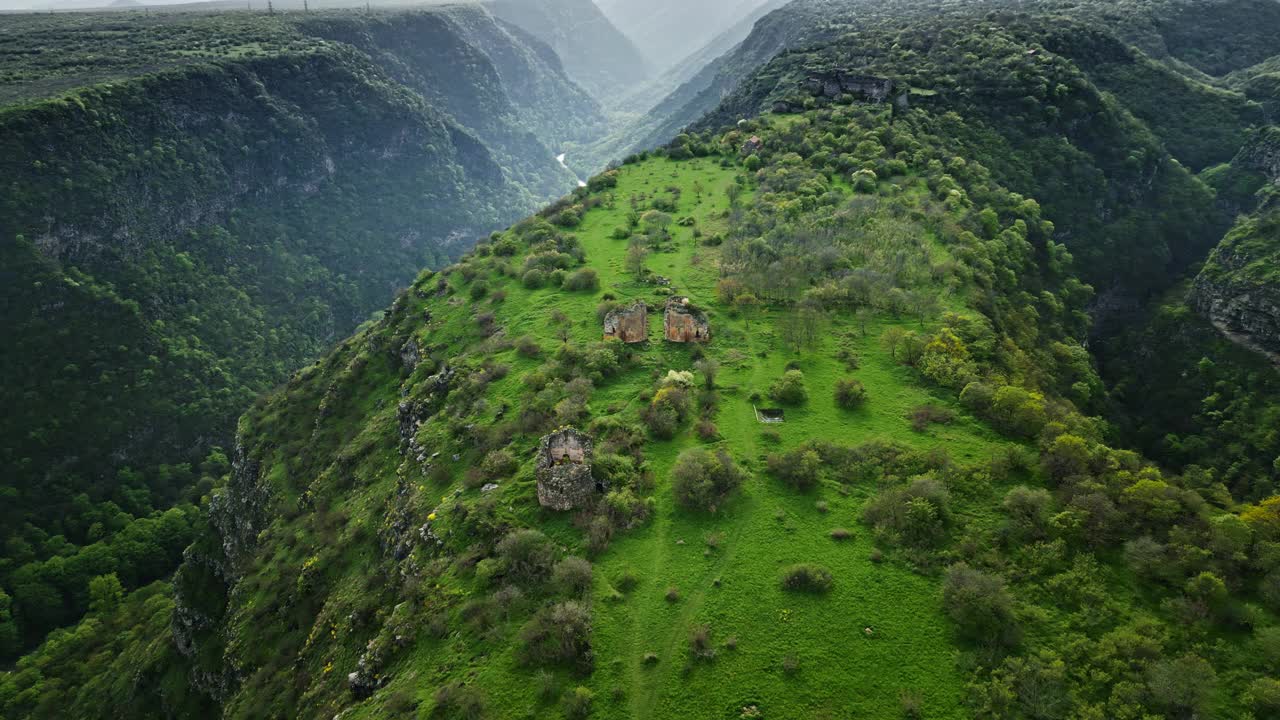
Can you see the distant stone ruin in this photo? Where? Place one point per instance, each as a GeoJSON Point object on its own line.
{"type": "Point", "coordinates": [862, 88]}
{"type": "Point", "coordinates": [564, 470]}
{"type": "Point", "coordinates": [752, 145]}
{"type": "Point", "coordinates": [684, 323]}
{"type": "Point", "coordinates": [628, 324]}
{"type": "Point", "coordinates": [866, 87]}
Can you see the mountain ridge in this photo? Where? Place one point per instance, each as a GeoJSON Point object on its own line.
{"type": "Point", "coordinates": [878, 442]}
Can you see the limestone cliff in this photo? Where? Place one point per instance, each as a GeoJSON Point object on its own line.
{"type": "Point", "coordinates": [1239, 288]}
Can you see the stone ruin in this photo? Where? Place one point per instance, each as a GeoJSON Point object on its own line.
{"type": "Point", "coordinates": [866, 87]}
{"type": "Point", "coordinates": [684, 323]}
{"type": "Point", "coordinates": [564, 470]}
{"type": "Point", "coordinates": [752, 146]}
{"type": "Point", "coordinates": [628, 324]}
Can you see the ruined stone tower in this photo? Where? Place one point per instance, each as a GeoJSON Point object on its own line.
{"type": "Point", "coordinates": [684, 323]}
{"type": "Point", "coordinates": [628, 324]}
{"type": "Point", "coordinates": [564, 470]}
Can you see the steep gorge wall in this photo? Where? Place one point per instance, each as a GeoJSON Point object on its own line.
{"type": "Point", "coordinates": [500, 83]}
{"type": "Point", "coordinates": [232, 219]}
{"type": "Point", "coordinates": [1238, 290]}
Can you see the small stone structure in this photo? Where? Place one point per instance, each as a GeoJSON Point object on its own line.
{"type": "Point", "coordinates": [866, 87]}
{"type": "Point", "coordinates": [684, 323]}
{"type": "Point", "coordinates": [752, 145]}
{"type": "Point", "coordinates": [770, 416]}
{"type": "Point", "coordinates": [564, 470]}
{"type": "Point", "coordinates": [628, 324]}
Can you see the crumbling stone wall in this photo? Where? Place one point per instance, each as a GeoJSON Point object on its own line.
{"type": "Point", "coordinates": [867, 87]}
{"type": "Point", "coordinates": [684, 323]}
{"type": "Point", "coordinates": [628, 324]}
{"type": "Point", "coordinates": [564, 470]}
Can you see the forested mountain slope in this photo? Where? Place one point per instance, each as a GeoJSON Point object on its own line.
{"type": "Point", "coordinates": [1034, 118]}
{"type": "Point", "coordinates": [1176, 33]}
{"type": "Point", "coordinates": [855, 455]}
{"type": "Point", "coordinates": [939, 526]}
{"type": "Point", "coordinates": [241, 194]}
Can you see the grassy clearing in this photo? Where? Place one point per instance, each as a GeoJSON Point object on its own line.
{"type": "Point", "coordinates": [793, 655]}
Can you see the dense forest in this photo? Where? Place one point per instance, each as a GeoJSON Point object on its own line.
{"type": "Point", "coordinates": [921, 362]}
{"type": "Point", "coordinates": [175, 243]}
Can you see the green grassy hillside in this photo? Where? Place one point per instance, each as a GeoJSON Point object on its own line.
{"type": "Point", "coordinates": [945, 524]}
{"type": "Point", "coordinates": [946, 537]}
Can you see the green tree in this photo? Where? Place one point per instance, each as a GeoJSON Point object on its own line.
{"type": "Point", "coordinates": [789, 389]}
{"type": "Point", "coordinates": [1068, 456]}
{"type": "Point", "coordinates": [1183, 684]}
{"type": "Point", "coordinates": [8, 628]}
{"type": "Point", "coordinates": [105, 594]}
{"type": "Point", "coordinates": [891, 339]}
{"type": "Point", "coordinates": [850, 393]}
{"type": "Point", "coordinates": [980, 605]}
{"type": "Point", "coordinates": [746, 303]}
{"type": "Point", "coordinates": [701, 480]}
{"type": "Point", "coordinates": [637, 254]}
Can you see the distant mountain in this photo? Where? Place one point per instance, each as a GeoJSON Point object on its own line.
{"type": "Point", "coordinates": [653, 92]}
{"type": "Point", "coordinates": [668, 31]}
{"type": "Point", "coordinates": [594, 52]}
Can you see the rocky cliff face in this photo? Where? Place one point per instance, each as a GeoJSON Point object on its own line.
{"type": "Point", "coordinates": [1250, 317]}
{"type": "Point", "coordinates": [1263, 154]}
{"type": "Point", "coordinates": [1238, 289]}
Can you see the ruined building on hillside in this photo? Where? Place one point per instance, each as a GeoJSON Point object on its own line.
{"type": "Point", "coordinates": [863, 87]}
{"type": "Point", "coordinates": [564, 474]}
{"type": "Point", "coordinates": [684, 323]}
{"type": "Point", "coordinates": [628, 324]}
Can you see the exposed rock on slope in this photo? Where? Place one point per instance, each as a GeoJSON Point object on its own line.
{"type": "Point", "coordinates": [1238, 289]}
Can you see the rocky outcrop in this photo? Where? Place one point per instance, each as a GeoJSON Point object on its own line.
{"type": "Point", "coordinates": [683, 322]}
{"type": "Point", "coordinates": [239, 512]}
{"type": "Point", "coordinates": [628, 324]}
{"type": "Point", "coordinates": [1263, 154]}
{"type": "Point", "coordinates": [212, 566]}
{"type": "Point", "coordinates": [1238, 289]}
{"type": "Point", "coordinates": [1246, 313]}
{"type": "Point", "coordinates": [564, 474]}
{"type": "Point", "coordinates": [411, 414]}
{"type": "Point", "coordinates": [410, 355]}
